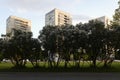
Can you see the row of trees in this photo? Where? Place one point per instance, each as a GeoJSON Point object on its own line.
{"type": "Point", "coordinates": [89, 41]}
{"type": "Point", "coordinates": [19, 48]}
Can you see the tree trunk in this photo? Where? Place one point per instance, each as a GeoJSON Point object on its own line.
{"type": "Point", "coordinates": [94, 62]}
{"type": "Point", "coordinates": [50, 63]}
{"type": "Point", "coordinates": [58, 62]}
{"type": "Point", "coordinates": [66, 63]}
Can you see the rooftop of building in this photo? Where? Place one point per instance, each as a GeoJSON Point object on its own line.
{"type": "Point", "coordinates": [55, 9]}
{"type": "Point", "coordinates": [15, 17]}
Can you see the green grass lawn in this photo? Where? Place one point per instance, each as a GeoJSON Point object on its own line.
{"type": "Point", "coordinates": [84, 67]}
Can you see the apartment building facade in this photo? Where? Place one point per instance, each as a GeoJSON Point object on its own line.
{"type": "Point", "coordinates": [58, 17]}
{"type": "Point", "coordinates": [105, 20]}
{"type": "Point", "coordinates": [17, 23]}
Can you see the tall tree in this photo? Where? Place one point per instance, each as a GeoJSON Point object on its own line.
{"type": "Point", "coordinates": [116, 16]}
{"type": "Point", "coordinates": [48, 37]}
{"type": "Point", "coordinates": [17, 48]}
{"type": "Point", "coordinates": [95, 39]}
{"type": "Point", "coordinates": [1, 49]}
{"type": "Point", "coordinates": [34, 52]}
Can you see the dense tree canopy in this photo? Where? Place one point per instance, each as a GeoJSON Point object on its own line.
{"type": "Point", "coordinates": [89, 41]}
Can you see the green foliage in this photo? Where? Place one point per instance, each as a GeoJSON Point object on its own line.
{"type": "Point", "coordinates": [116, 18]}
{"type": "Point", "coordinates": [16, 49]}
{"type": "Point", "coordinates": [83, 42]}
{"type": "Point", "coordinates": [1, 49]}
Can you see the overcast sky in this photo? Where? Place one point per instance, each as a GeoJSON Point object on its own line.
{"type": "Point", "coordinates": [35, 10]}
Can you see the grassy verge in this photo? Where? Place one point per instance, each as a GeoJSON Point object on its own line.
{"type": "Point", "coordinates": [84, 67]}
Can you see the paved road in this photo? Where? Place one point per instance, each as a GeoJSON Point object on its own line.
{"type": "Point", "coordinates": [58, 76]}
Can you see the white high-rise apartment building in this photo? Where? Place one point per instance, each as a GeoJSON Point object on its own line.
{"type": "Point", "coordinates": [58, 17]}
{"type": "Point", "coordinates": [105, 20]}
{"type": "Point", "coordinates": [17, 23]}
